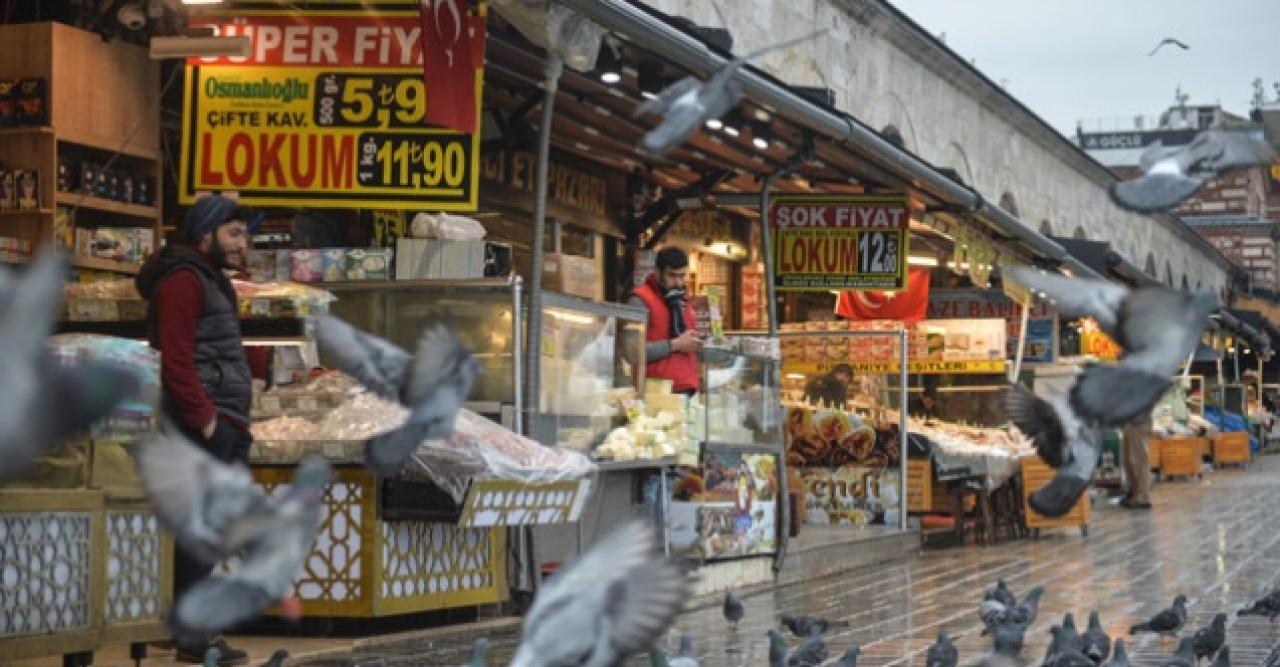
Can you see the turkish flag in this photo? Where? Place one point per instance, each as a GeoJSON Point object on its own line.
{"type": "Point", "coordinates": [452, 51]}
{"type": "Point", "coordinates": [909, 305]}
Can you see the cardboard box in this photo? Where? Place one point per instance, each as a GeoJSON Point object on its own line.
{"type": "Point", "coordinates": [572, 275]}
{"type": "Point", "coordinates": [333, 264]}
{"type": "Point", "coordinates": [439, 258]}
{"type": "Point", "coordinates": [369, 263]}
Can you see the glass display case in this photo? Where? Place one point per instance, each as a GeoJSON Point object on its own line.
{"type": "Point", "coordinates": [740, 403]}
{"type": "Point", "coordinates": [488, 315]}
{"type": "Point", "coordinates": [592, 358]}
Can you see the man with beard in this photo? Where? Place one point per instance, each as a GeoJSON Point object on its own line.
{"type": "Point", "coordinates": [193, 320]}
{"type": "Point", "coordinates": [671, 342]}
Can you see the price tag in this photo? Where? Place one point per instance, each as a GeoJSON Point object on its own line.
{"type": "Point", "coordinates": [878, 252]}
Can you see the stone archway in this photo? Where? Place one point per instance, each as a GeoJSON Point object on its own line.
{"type": "Point", "coordinates": [955, 158]}
{"type": "Point", "coordinates": [891, 112]}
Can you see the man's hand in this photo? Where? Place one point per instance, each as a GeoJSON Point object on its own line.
{"type": "Point", "coordinates": [687, 342]}
{"type": "Point", "coordinates": [209, 428]}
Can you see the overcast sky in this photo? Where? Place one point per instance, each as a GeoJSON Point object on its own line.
{"type": "Point", "coordinates": [1085, 59]}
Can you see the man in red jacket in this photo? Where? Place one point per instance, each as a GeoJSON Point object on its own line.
{"type": "Point", "coordinates": [671, 343]}
{"type": "Point", "coordinates": [193, 319]}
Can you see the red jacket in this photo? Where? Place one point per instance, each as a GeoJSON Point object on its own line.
{"type": "Point", "coordinates": [679, 367]}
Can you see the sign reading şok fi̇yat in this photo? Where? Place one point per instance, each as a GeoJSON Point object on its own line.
{"type": "Point", "coordinates": [327, 110]}
{"type": "Point", "coordinates": [840, 243]}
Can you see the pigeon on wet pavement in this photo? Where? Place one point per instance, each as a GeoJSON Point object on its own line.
{"type": "Point", "coordinates": [733, 609]}
{"type": "Point", "coordinates": [1268, 605]}
{"type": "Point", "coordinates": [1224, 657]}
{"type": "Point", "coordinates": [1064, 650]}
{"type": "Point", "coordinates": [1026, 611]}
{"type": "Point", "coordinates": [993, 613]}
{"type": "Point", "coordinates": [280, 655]}
{"type": "Point", "coordinates": [1097, 645]}
{"type": "Point", "coordinates": [1185, 656]}
{"type": "Point", "coordinates": [478, 652]}
{"type": "Point", "coordinates": [1120, 657]}
{"type": "Point", "coordinates": [811, 652]}
{"type": "Point", "coordinates": [804, 626]}
{"type": "Point", "coordinates": [943, 653]}
{"type": "Point", "coordinates": [1207, 640]}
{"type": "Point", "coordinates": [1009, 638]}
{"type": "Point", "coordinates": [1167, 622]}
{"type": "Point", "coordinates": [1003, 595]}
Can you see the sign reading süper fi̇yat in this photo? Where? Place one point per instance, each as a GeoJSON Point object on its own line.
{"type": "Point", "coordinates": [840, 243]}
{"type": "Point", "coordinates": [327, 110]}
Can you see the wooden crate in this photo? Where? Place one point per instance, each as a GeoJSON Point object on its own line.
{"type": "Point", "coordinates": [1035, 474]}
{"type": "Point", "coordinates": [919, 485]}
{"type": "Point", "coordinates": [1180, 457]}
{"type": "Point", "coordinates": [1231, 448]}
{"type": "Point", "coordinates": [51, 600]}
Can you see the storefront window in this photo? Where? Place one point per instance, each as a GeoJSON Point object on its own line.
{"type": "Point", "coordinates": [577, 241]}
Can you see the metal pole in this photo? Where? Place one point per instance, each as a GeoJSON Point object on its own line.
{"type": "Point", "coordinates": [552, 69]}
{"type": "Point", "coordinates": [902, 430]}
{"type": "Point", "coordinates": [517, 340]}
{"type": "Point", "coordinates": [771, 296]}
{"type": "Point", "coordinates": [1022, 343]}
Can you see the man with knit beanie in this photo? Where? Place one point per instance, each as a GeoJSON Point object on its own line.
{"type": "Point", "coordinates": [206, 385]}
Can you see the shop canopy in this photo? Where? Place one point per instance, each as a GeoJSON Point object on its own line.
{"type": "Point", "coordinates": [812, 147]}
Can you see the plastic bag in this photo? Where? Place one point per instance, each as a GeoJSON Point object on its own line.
{"type": "Point", "coordinates": [447, 227]}
{"type": "Point", "coordinates": [480, 448]}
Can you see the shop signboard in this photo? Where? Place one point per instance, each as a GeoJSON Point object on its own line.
{"type": "Point", "coordinates": [328, 110]}
{"type": "Point", "coordinates": [849, 469]}
{"type": "Point", "coordinates": [1041, 323]}
{"type": "Point", "coordinates": [824, 242]}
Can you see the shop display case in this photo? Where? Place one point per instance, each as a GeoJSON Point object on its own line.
{"type": "Point", "coordinates": [740, 402]}
{"type": "Point", "coordinates": [488, 315]}
{"type": "Point", "coordinates": [592, 355]}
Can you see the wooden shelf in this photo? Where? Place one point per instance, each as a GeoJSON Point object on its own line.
{"type": "Point", "coordinates": [108, 205]}
{"type": "Point", "coordinates": [24, 212]}
{"type": "Point", "coordinates": [106, 146]}
{"type": "Point", "coordinates": [26, 129]}
{"type": "Point", "coordinates": [105, 264]}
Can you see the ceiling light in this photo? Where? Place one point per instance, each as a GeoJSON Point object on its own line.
{"type": "Point", "coordinates": [918, 260]}
{"type": "Point", "coordinates": [649, 78]}
{"type": "Point", "coordinates": [760, 135]}
{"type": "Point", "coordinates": [201, 2]}
{"type": "Point", "coordinates": [714, 124]}
{"type": "Point", "coordinates": [608, 64]}
{"type": "Point", "coordinates": [733, 123]}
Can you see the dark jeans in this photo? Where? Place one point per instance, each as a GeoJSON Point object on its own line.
{"type": "Point", "coordinates": [229, 443]}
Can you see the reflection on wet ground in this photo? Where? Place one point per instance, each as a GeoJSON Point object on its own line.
{"type": "Point", "coordinates": [1214, 540]}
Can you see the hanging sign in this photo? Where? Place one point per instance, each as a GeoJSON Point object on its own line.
{"type": "Point", "coordinates": [840, 243]}
{"type": "Point", "coordinates": [328, 110]}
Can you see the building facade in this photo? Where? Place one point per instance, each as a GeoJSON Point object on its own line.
{"type": "Point", "coordinates": [890, 73]}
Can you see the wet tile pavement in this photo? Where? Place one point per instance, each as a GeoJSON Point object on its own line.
{"type": "Point", "coordinates": [1216, 540]}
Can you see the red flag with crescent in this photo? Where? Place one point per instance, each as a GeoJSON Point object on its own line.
{"type": "Point", "coordinates": [909, 305]}
{"type": "Point", "coordinates": [452, 51]}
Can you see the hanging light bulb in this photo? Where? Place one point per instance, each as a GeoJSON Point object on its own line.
{"type": "Point", "coordinates": [715, 124]}
{"type": "Point", "coordinates": [608, 64]}
{"type": "Point", "coordinates": [761, 134]}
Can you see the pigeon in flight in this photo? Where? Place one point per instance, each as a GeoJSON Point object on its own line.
{"type": "Point", "coordinates": [610, 604]}
{"type": "Point", "coordinates": [686, 104]}
{"type": "Point", "coordinates": [1173, 175]}
{"type": "Point", "coordinates": [1156, 326]}
{"type": "Point", "coordinates": [1207, 640]}
{"type": "Point", "coordinates": [433, 383]}
{"type": "Point", "coordinates": [807, 626]}
{"type": "Point", "coordinates": [1167, 622]}
{"type": "Point", "coordinates": [216, 511]}
{"type": "Point", "coordinates": [943, 653]}
{"type": "Point", "coordinates": [1097, 645]}
{"type": "Point", "coordinates": [1170, 41]}
{"type": "Point", "coordinates": [46, 401]}
{"type": "Point", "coordinates": [1063, 440]}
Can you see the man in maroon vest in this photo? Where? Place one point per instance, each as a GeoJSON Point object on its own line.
{"type": "Point", "coordinates": [671, 343]}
